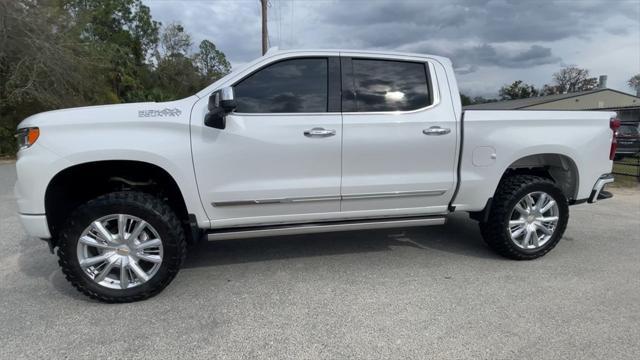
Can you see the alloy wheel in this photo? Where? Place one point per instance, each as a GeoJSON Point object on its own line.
{"type": "Point", "coordinates": [533, 220]}
{"type": "Point", "coordinates": [120, 251]}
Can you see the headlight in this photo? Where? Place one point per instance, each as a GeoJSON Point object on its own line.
{"type": "Point", "coordinates": [27, 137]}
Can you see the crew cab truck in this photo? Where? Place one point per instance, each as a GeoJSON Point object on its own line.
{"type": "Point", "coordinates": [298, 142]}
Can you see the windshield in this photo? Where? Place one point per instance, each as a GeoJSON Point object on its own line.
{"type": "Point", "coordinates": [628, 130]}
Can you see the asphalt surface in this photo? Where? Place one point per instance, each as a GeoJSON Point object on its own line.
{"type": "Point", "coordinates": [417, 293]}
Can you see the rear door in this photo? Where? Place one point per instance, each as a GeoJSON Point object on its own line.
{"type": "Point", "coordinates": [399, 137]}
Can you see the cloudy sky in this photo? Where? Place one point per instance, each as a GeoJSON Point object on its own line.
{"type": "Point", "coordinates": [491, 42]}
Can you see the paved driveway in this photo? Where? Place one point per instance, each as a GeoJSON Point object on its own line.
{"type": "Point", "coordinates": [426, 292]}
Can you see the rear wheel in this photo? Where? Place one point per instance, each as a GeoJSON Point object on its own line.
{"type": "Point", "coordinates": [122, 247]}
{"type": "Point", "coordinates": [528, 216]}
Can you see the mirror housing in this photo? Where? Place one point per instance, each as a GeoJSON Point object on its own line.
{"type": "Point", "coordinates": [216, 119]}
{"type": "Point", "coordinates": [220, 104]}
{"type": "Point", "coordinates": [227, 99]}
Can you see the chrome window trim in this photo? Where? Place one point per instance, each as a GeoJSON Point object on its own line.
{"type": "Point", "coordinates": [390, 194]}
{"type": "Point", "coordinates": [266, 65]}
{"type": "Point", "coordinates": [286, 114]}
{"type": "Point", "coordinates": [435, 89]}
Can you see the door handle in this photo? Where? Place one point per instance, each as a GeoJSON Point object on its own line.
{"type": "Point", "coordinates": [319, 132]}
{"type": "Point", "coordinates": [436, 130]}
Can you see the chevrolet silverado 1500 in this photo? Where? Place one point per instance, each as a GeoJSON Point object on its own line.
{"type": "Point", "coordinates": [298, 142]}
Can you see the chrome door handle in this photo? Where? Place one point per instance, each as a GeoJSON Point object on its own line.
{"type": "Point", "coordinates": [319, 132]}
{"type": "Point", "coordinates": [436, 130]}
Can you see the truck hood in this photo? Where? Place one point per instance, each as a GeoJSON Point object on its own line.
{"type": "Point", "coordinates": [178, 110]}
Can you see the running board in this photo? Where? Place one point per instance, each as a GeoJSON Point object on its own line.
{"type": "Point", "coordinates": [313, 228]}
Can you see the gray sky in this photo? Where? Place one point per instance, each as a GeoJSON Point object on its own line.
{"type": "Point", "coordinates": [491, 42]}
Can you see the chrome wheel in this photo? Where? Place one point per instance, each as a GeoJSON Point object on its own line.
{"type": "Point", "coordinates": [120, 251]}
{"type": "Point", "coordinates": [533, 220]}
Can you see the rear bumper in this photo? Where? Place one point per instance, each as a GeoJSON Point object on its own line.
{"type": "Point", "coordinates": [627, 147]}
{"type": "Point", "coordinates": [627, 151]}
{"type": "Point", "coordinates": [35, 225]}
{"type": "Point", "coordinates": [599, 186]}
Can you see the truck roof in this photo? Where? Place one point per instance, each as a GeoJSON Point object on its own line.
{"type": "Point", "coordinates": [275, 50]}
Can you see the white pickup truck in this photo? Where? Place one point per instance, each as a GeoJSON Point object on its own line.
{"type": "Point", "coordinates": [298, 142]}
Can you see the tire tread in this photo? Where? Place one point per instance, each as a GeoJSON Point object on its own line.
{"type": "Point", "coordinates": [493, 230]}
{"type": "Point", "coordinates": [145, 200]}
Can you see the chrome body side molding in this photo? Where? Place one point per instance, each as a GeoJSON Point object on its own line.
{"type": "Point", "coordinates": [393, 194]}
{"type": "Point", "coordinates": [330, 198]}
{"type": "Point", "coordinates": [275, 201]}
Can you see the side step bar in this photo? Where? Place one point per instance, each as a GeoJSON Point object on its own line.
{"type": "Point", "coordinates": [313, 228]}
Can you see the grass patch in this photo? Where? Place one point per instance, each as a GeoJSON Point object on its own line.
{"type": "Point", "coordinates": [630, 166]}
{"type": "Point", "coordinates": [625, 181]}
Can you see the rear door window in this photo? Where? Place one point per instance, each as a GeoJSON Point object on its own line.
{"type": "Point", "coordinates": [385, 85]}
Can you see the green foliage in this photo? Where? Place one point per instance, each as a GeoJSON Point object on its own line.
{"type": "Point", "coordinates": [174, 41]}
{"type": "Point", "coordinates": [517, 90]}
{"type": "Point", "coordinates": [65, 53]}
{"type": "Point", "coordinates": [465, 100]}
{"type": "Point", "coordinates": [634, 83]}
{"type": "Point", "coordinates": [211, 62]}
{"type": "Point", "coordinates": [571, 79]}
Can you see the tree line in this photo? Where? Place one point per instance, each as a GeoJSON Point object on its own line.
{"type": "Point", "coordinates": [569, 79]}
{"type": "Point", "coordinates": [65, 53]}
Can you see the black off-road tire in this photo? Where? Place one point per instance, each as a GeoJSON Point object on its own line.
{"type": "Point", "coordinates": [510, 191]}
{"type": "Point", "coordinates": [145, 206]}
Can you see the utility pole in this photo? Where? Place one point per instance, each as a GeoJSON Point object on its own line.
{"type": "Point", "coordinates": [265, 35]}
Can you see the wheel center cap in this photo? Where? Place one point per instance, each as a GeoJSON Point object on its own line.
{"type": "Point", "coordinates": [531, 218]}
{"type": "Point", "coordinates": [122, 250]}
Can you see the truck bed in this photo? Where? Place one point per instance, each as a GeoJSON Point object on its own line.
{"type": "Point", "coordinates": [495, 140]}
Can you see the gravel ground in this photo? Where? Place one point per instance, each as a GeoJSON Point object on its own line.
{"type": "Point", "coordinates": [417, 293]}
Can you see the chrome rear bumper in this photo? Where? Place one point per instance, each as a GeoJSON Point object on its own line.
{"type": "Point", "coordinates": [600, 184]}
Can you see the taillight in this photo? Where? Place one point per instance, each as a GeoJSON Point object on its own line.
{"type": "Point", "coordinates": [614, 124]}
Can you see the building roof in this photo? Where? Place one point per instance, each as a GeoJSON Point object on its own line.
{"type": "Point", "coordinates": [533, 101]}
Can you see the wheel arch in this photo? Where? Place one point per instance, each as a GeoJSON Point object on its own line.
{"type": "Point", "coordinates": [74, 185]}
{"type": "Point", "coordinates": [560, 168]}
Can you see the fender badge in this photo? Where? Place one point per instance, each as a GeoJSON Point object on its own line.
{"type": "Point", "coordinates": [159, 113]}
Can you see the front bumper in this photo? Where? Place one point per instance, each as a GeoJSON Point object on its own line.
{"type": "Point", "coordinates": [35, 225]}
{"type": "Point", "coordinates": [599, 186]}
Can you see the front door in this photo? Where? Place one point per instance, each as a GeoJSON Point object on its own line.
{"type": "Point", "coordinates": [399, 138]}
{"type": "Point", "coordinates": [278, 159]}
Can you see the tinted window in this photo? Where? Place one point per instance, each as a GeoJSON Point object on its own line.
{"type": "Point", "coordinates": [298, 85]}
{"type": "Point", "coordinates": [382, 85]}
{"type": "Point", "coordinates": [628, 130]}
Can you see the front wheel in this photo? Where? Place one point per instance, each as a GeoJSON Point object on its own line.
{"type": "Point", "coordinates": [528, 216]}
{"type": "Point", "coordinates": [122, 247]}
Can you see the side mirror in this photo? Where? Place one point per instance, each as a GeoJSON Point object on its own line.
{"type": "Point", "coordinates": [227, 99]}
{"type": "Point", "coordinates": [221, 103]}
